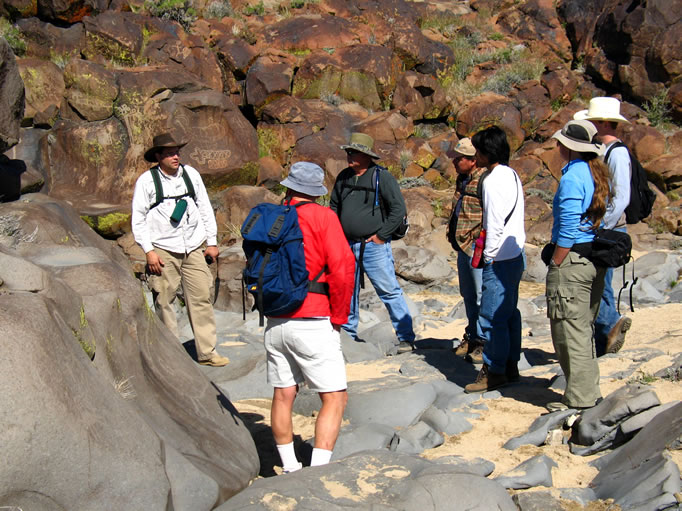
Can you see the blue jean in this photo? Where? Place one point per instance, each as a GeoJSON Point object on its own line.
{"type": "Point", "coordinates": [470, 283]}
{"type": "Point", "coordinates": [608, 313]}
{"type": "Point", "coordinates": [499, 318]}
{"type": "Point", "coordinates": [379, 268]}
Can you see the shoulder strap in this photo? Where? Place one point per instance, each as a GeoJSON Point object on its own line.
{"type": "Point", "coordinates": [188, 183]}
{"type": "Point", "coordinates": [157, 186]}
{"type": "Point", "coordinates": [479, 187]}
{"type": "Point", "coordinates": [614, 146]}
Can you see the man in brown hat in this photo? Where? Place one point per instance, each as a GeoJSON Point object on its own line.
{"type": "Point", "coordinates": [464, 228]}
{"type": "Point", "coordinates": [172, 218]}
{"type": "Point", "coordinates": [369, 203]}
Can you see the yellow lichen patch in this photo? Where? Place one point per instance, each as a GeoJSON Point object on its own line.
{"type": "Point", "coordinates": [339, 490]}
{"type": "Point", "coordinates": [278, 502]}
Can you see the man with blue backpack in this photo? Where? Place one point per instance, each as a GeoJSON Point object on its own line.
{"type": "Point", "coordinates": [372, 211]}
{"type": "Point", "coordinates": [300, 272]}
{"type": "Point", "coordinates": [172, 218]}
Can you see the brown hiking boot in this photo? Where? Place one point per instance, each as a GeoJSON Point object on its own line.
{"type": "Point", "coordinates": [486, 381]}
{"type": "Point", "coordinates": [463, 347]}
{"type": "Point", "coordinates": [616, 337]}
{"type": "Point", "coordinates": [476, 355]}
{"type": "Point", "coordinates": [215, 361]}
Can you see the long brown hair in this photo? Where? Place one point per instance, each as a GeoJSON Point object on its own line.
{"type": "Point", "coordinates": [602, 191]}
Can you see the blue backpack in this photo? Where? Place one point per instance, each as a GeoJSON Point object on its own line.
{"type": "Point", "coordinates": [275, 272]}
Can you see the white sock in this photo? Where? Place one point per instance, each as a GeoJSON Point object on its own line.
{"type": "Point", "coordinates": [320, 457]}
{"type": "Point", "coordinates": [288, 457]}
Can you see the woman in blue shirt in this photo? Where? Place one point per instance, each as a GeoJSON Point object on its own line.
{"type": "Point", "coordinates": [574, 284]}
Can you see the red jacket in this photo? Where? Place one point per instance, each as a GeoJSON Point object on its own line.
{"type": "Point", "coordinates": [325, 244]}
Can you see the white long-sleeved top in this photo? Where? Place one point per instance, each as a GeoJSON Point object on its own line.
{"type": "Point", "coordinates": [619, 178]}
{"type": "Point", "coordinates": [501, 189]}
{"type": "Point", "coordinates": [152, 228]}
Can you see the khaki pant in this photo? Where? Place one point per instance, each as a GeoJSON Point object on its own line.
{"type": "Point", "coordinates": [190, 269]}
{"type": "Point", "coordinates": [574, 291]}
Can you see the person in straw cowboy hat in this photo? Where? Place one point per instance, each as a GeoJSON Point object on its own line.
{"type": "Point", "coordinates": [574, 284]}
{"type": "Point", "coordinates": [368, 201]}
{"type": "Point", "coordinates": [610, 327]}
{"type": "Point", "coordinates": [171, 229]}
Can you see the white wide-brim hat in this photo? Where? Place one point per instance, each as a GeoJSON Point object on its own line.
{"type": "Point", "coordinates": [579, 136]}
{"type": "Point", "coordinates": [601, 109]}
{"type": "Point", "coordinates": [307, 178]}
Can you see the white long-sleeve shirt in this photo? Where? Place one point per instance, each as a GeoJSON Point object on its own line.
{"type": "Point", "coordinates": [502, 188]}
{"type": "Point", "coordinates": [619, 179]}
{"type": "Point", "coordinates": [152, 228]}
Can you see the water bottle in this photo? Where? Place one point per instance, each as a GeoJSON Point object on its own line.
{"type": "Point", "coordinates": [477, 259]}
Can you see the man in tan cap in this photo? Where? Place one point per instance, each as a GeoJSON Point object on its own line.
{"type": "Point", "coordinates": [172, 218]}
{"type": "Point", "coordinates": [464, 227]}
{"type": "Point", "coordinates": [369, 203]}
{"type": "Point", "coordinates": [610, 327]}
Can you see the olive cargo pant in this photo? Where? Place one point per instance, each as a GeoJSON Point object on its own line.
{"type": "Point", "coordinates": [573, 293]}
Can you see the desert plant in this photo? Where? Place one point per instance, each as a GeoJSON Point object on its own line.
{"type": "Point", "coordinates": [257, 9]}
{"type": "Point", "coordinates": [331, 98]}
{"type": "Point", "coordinates": [658, 109]}
{"type": "Point", "coordinates": [13, 37]}
{"type": "Point", "coordinates": [405, 158]}
{"type": "Point", "coordinates": [219, 9]}
{"type": "Point", "coordinates": [412, 182]}
{"type": "Point", "coordinates": [180, 11]}
{"type": "Point", "coordinates": [437, 206]}
{"type": "Point", "coordinates": [642, 378]}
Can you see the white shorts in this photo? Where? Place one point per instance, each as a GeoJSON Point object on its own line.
{"type": "Point", "coordinates": [304, 350]}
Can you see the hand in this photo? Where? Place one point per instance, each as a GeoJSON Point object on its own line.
{"type": "Point", "coordinates": [212, 252]}
{"type": "Point", "coordinates": [154, 263]}
{"type": "Point", "coordinates": [375, 239]}
{"type": "Point", "coordinates": [336, 327]}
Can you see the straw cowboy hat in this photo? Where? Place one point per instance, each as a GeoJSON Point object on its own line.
{"type": "Point", "coordinates": [601, 109]}
{"type": "Point", "coordinates": [162, 141]}
{"type": "Point", "coordinates": [578, 136]}
{"type": "Point", "coordinates": [307, 178]}
{"type": "Point", "coordinates": [361, 143]}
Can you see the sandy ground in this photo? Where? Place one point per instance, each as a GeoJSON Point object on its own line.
{"type": "Point", "coordinates": [511, 415]}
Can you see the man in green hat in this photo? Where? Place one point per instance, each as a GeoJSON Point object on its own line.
{"type": "Point", "coordinates": [172, 218]}
{"type": "Point", "coordinates": [369, 203]}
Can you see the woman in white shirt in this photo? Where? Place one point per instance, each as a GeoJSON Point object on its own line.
{"type": "Point", "coordinates": [503, 262]}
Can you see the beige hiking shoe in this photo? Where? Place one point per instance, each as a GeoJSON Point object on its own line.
{"type": "Point", "coordinates": [486, 381]}
{"type": "Point", "coordinates": [616, 337]}
{"type": "Point", "coordinates": [215, 361]}
{"type": "Point", "coordinates": [463, 347]}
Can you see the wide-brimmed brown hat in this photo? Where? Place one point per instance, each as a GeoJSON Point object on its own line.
{"type": "Point", "coordinates": [362, 143]}
{"type": "Point", "coordinates": [162, 141]}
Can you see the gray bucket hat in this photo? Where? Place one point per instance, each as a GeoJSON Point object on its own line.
{"type": "Point", "coordinates": [362, 143]}
{"type": "Point", "coordinates": [579, 136]}
{"type": "Point", "coordinates": [307, 178]}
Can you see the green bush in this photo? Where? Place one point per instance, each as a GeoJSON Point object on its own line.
{"type": "Point", "coordinates": [13, 37]}
{"type": "Point", "coordinates": [257, 9]}
{"type": "Point", "coordinates": [658, 109]}
{"type": "Point", "coordinates": [180, 11]}
{"type": "Point", "coordinates": [219, 9]}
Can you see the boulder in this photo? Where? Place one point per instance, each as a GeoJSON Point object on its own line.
{"type": "Point", "coordinates": [12, 94]}
{"type": "Point", "coordinates": [43, 85]}
{"type": "Point", "coordinates": [45, 40]}
{"type": "Point", "coordinates": [419, 96]}
{"type": "Point", "coordinates": [129, 418]}
{"type": "Point", "coordinates": [311, 32]}
{"type": "Point", "coordinates": [489, 109]}
{"type": "Point", "coordinates": [113, 36]}
{"type": "Point", "coordinates": [91, 90]}
{"type": "Point", "coordinates": [268, 79]}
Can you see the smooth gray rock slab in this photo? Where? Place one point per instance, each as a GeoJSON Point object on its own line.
{"type": "Point", "coordinates": [446, 421]}
{"type": "Point", "coordinates": [374, 481]}
{"type": "Point", "coordinates": [353, 439]}
{"type": "Point", "coordinates": [421, 265]}
{"type": "Point", "coordinates": [598, 421]}
{"type": "Point", "coordinates": [59, 255]}
{"type": "Point", "coordinates": [358, 351]}
{"type": "Point", "coordinates": [191, 489]}
{"type": "Point", "coordinates": [538, 430]}
{"type": "Point", "coordinates": [477, 466]}
{"type": "Point", "coordinates": [18, 274]}
{"type": "Point", "coordinates": [537, 501]}
{"type": "Point", "coordinates": [382, 337]}
{"type": "Point", "coordinates": [398, 407]}
{"type": "Point", "coordinates": [418, 437]}
{"type": "Point", "coordinates": [536, 471]}
{"type": "Point", "coordinates": [640, 475]}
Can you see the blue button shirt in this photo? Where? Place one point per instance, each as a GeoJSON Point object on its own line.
{"type": "Point", "coordinates": [571, 200]}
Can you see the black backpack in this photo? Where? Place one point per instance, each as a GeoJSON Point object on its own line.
{"type": "Point", "coordinates": [641, 197]}
{"type": "Point", "coordinates": [159, 187]}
